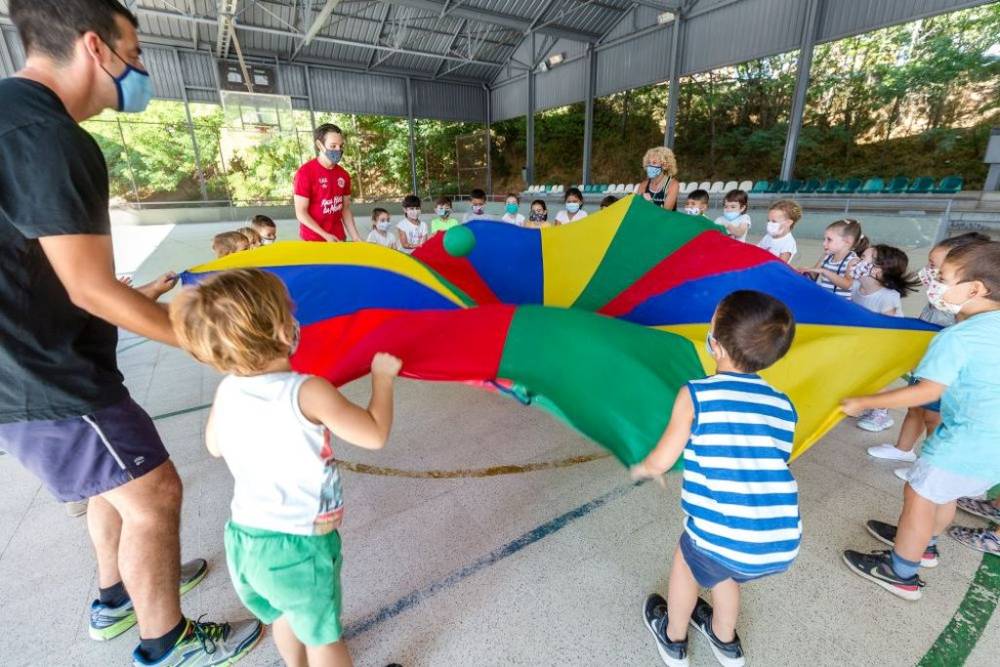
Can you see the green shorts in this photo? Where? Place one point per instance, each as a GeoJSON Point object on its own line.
{"type": "Point", "coordinates": [295, 576]}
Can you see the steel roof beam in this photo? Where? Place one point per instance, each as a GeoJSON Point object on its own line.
{"type": "Point", "coordinates": [509, 21]}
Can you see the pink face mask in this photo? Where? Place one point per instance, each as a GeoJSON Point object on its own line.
{"type": "Point", "coordinates": [935, 295]}
{"type": "Point", "coordinates": [927, 274]}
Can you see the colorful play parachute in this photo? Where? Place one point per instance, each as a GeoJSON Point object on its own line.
{"type": "Point", "coordinates": [599, 322]}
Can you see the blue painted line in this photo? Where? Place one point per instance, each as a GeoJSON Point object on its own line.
{"type": "Point", "coordinates": [527, 539]}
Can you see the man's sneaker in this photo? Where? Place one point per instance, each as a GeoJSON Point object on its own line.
{"type": "Point", "coordinates": [109, 622]}
{"type": "Point", "coordinates": [980, 539]}
{"type": "Point", "coordinates": [674, 654]}
{"type": "Point", "coordinates": [886, 534]}
{"type": "Point", "coordinates": [729, 654]}
{"type": "Point", "coordinates": [208, 644]}
{"type": "Point", "coordinates": [889, 452]}
{"type": "Point", "coordinates": [877, 567]}
{"type": "Point", "coordinates": [979, 507]}
{"type": "Point", "coordinates": [876, 421]}
{"type": "Point", "coordinates": [903, 473]}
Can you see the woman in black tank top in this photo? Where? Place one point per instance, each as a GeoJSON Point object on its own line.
{"type": "Point", "coordinates": [659, 185]}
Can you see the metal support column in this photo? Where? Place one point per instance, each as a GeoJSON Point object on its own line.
{"type": "Point", "coordinates": [674, 90]}
{"type": "Point", "coordinates": [6, 59]}
{"type": "Point", "coordinates": [489, 139]}
{"type": "Point", "coordinates": [801, 88]}
{"type": "Point", "coordinates": [588, 118]}
{"type": "Point", "coordinates": [413, 141]}
{"type": "Point", "coordinates": [529, 158]}
{"type": "Point", "coordinates": [190, 123]}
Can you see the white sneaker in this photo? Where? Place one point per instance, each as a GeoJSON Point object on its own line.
{"type": "Point", "coordinates": [902, 473]}
{"type": "Point", "coordinates": [889, 452]}
{"type": "Point", "coordinates": [876, 421]}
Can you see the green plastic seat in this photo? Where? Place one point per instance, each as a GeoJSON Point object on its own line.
{"type": "Point", "coordinates": [791, 187]}
{"type": "Point", "coordinates": [949, 185]}
{"type": "Point", "coordinates": [760, 187]}
{"type": "Point", "coordinates": [810, 186]}
{"type": "Point", "coordinates": [872, 186]}
{"type": "Point", "coordinates": [896, 186]}
{"type": "Point", "coordinates": [920, 185]}
{"type": "Point", "coordinates": [775, 186]}
{"type": "Point", "coordinates": [849, 187]}
{"type": "Point", "coordinates": [829, 186]}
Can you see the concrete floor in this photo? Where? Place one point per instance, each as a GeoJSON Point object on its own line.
{"type": "Point", "coordinates": [540, 568]}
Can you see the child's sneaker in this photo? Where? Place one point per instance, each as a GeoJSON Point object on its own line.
{"type": "Point", "coordinates": [980, 539]}
{"type": "Point", "coordinates": [208, 644]}
{"type": "Point", "coordinates": [109, 622]}
{"type": "Point", "coordinates": [674, 654]}
{"type": "Point", "coordinates": [729, 654]}
{"type": "Point", "coordinates": [875, 421]}
{"type": "Point", "coordinates": [902, 473]}
{"type": "Point", "coordinates": [877, 567]}
{"type": "Point", "coordinates": [886, 534]}
{"type": "Point", "coordinates": [889, 452]}
{"type": "Point", "coordinates": [979, 507]}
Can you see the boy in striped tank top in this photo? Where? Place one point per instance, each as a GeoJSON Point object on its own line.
{"type": "Point", "coordinates": [735, 432]}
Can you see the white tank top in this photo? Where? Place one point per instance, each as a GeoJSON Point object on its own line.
{"type": "Point", "coordinates": [283, 464]}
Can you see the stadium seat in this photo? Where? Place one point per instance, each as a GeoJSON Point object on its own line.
{"type": "Point", "coordinates": [688, 187]}
{"type": "Point", "coordinates": [716, 188]}
{"type": "Point", "coordinates": [829, 186]}
{"type": "Point", "coordinates": [849, 187]}
{"type": "Point", "coordinates": [775, 186]}
{"type": "Point", "coordinates": [896, 186]}
{"type": "Point", "coordinates": [730, 185]}
{"type": "Point", "coordinates": [760, 187]}
{"type": "Point", "coordinates": [810, 186]}
{"type": "Point", "coordinates": [745, 186]}
{"type": "Point", "coordinates": [920, 185]}
{"type": "Point", "coordinates": [791, 187]}
{"type": "Point", "coordinates": [620, 189]}
{"type": "Point", "coordinates": [630, 188]}
{"type": "Point", "coordinates": [704, 185]}
{"type": "Point", "coordinates": [949, 185]}
{"type": "Point", "coordinates": [872, 186]}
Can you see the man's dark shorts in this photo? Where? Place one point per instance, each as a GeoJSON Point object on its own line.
{"type": "Point", "coordinates": [85, 456]}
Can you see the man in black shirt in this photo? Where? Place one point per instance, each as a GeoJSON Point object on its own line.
{"type": "Point", "coordinates": [64, 411]}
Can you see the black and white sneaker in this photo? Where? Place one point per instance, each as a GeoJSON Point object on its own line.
{"type": "Point", "coordinates": [886, 534]}
{"type": "Point", "coordinates": [877, 567]}
{"type": "Point", "coordinates": [674, 654]}
{"type": "Point", "coordinates": [729, 654]}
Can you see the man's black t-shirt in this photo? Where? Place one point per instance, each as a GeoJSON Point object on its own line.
{"type": "Point", "coordinates": [56, 360]}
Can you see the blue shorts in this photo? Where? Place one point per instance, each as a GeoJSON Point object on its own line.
{"type": "Point", "coordinates": [80, 457]}
{"type": "Point", "coordinates": [707, 571]}
{"type": "Point", "coordinates": [933, 407]}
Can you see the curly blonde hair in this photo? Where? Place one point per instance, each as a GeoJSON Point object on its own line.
{"type": "Point", "coordinates": [789, 207]}
{"type": "Point", "coordinates": [236, 321]}
{"type": "Point", "coordinates": [664, 156]}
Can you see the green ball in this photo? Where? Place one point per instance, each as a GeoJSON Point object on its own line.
{"type": "Point", "coordinates": [459, 241]}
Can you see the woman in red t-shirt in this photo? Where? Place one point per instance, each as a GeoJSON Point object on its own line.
{"type": "Point", "coordinates": [323, 191]}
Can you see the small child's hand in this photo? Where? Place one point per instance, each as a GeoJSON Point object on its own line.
{"type": "Point", "coordinates": [852, 407]}
{"type": "Point", "coordinates": [641, 471]}
{"type": "Point", "coordinates": [386, 364]}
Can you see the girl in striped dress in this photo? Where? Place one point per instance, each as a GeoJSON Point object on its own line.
{"type": "Point", "coordinates": [843, 244]}
{"type": "Point", "coordinates": [735, 432]}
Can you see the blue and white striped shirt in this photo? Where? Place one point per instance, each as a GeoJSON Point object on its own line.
{"type": "Point", "coordinates": [840, 268]}
{"type": "Point", "coordinates": [740, 497]}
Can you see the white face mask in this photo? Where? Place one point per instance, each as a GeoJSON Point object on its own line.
{"type": "Point", "coordinates": [936, 292]}
{"type": "Point", "coordinates": [265, 241]}
{"type": "Point", "coordinates": [928, 274]}
{"type": "Point", "coordinates": [382, 225]}
{"type": "Point", "coordinates": [692, 210]}
{"type": "Point", "coordinates": [774, 228]}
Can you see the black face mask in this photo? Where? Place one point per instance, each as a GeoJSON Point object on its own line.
{"type": "Point", "coordinates": [538, 217]}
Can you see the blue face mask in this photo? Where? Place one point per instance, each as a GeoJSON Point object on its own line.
{"type": "Point", "coordinates": [333, 156]}
{"type": "Point", "coordinates": [653, 171]}
{"type": "Point", "coordinates": [731, 215]}
{"type": "Point", "coordinates": [135, 88]}
{"type": "Point", "coordinates": [572, 206]}
{"type": "Point", "coordinates": [512, 208]}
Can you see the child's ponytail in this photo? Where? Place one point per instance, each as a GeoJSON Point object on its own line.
{"type": "Point", "coordinates": [893, 262]}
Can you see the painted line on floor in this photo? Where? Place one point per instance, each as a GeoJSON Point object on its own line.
{"type": "Point", "coordinates": [365, 469]}
{"type": "Point", "coordinates": [129, 347]}
{"type": "Point", "coordinates": [959, 637]}
{"type": "Point", "coordinates": [177, 413]}
{"type": "Point", "coordinates": [527, 539]}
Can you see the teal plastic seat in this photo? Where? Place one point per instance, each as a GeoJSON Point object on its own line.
{"type": "Point", "coordinates": [810, 186]}
{"type": "Point", "coordinates": [829, 186]}
{"type": "Point", "coordinates": [872, 186]}
{"type": "Point", "coordinates": [759, 187]}
{"type": "Point", "coordinates": [791, 187]}
{"type": "Point", "coordinates": [920, 185]}
{"type": "Point", "coordinates": [775, 186]}
{"type": "Point", "coordinates": [896, 186]}
{"type": "Point", "coordinates": [949, 185]}
{"type": "Point", "coordinates": [849, 187]}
